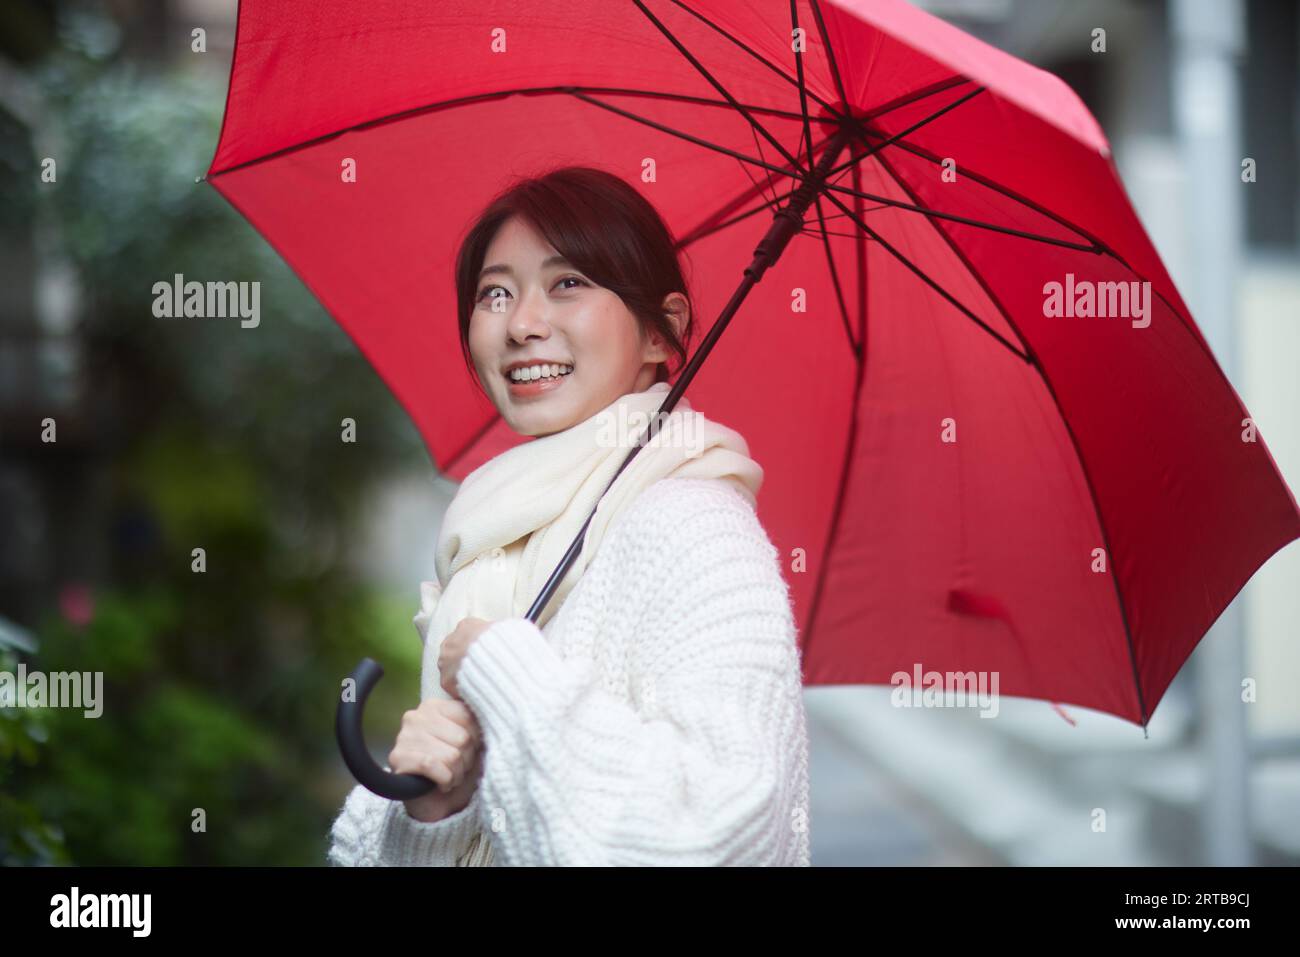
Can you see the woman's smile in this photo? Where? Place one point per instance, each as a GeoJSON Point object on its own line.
{"type": "Point", "coordinates": [536, 378]}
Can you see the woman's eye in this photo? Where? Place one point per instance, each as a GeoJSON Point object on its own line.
{"type": "Point", "coordinates": [488, 289]}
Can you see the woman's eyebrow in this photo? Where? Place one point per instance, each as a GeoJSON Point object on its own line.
{"type": "Point", "coordinates": [503, 268]}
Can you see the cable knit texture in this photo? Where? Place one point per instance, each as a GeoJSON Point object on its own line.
{"type": "Point", "coordinates": [657, 718]}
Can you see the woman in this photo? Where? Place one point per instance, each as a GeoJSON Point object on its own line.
{"type": "Point", "coordinates": [656, 715]}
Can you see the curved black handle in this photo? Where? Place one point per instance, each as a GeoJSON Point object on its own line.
{"type": "Point", "coordinates": [347, 727]}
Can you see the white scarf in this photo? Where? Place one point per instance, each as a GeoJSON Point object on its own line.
{"type": "Point", "coordinates": [513, 518]}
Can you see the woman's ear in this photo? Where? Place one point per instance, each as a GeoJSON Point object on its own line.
{"type": "Point", "coordinates": [677, 311]}
{"type": "Point", "coordinates": [656, 349]}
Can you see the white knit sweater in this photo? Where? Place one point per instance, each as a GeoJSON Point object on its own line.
{"type": "Point", "coordinates": [657, 719]}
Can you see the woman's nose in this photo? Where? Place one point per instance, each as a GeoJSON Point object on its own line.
{"type": "Point", "coordinates": [527, 321]}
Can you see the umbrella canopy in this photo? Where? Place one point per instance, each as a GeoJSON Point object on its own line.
{"type": "Point", "coordinates": [965, 470]}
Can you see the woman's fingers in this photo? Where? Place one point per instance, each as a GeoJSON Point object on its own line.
{"type": "Point", "coordinates": [431, 757]}
{"type": "Point", "coordinates": [440, 743]}
{"type": "Point", "coordinates": [444, 714]}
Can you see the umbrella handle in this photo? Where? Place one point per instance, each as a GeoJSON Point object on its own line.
{"type": "Point", "coordinates": [347, 727]}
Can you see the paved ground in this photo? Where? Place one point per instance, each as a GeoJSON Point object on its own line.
{"type": "Point", "coordinates": [860, 816]}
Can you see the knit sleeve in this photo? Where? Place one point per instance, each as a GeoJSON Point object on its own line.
{"type": "Point", "coordinates": [710, 766]}
{"type": "Point", "coordinates": [372, 831]}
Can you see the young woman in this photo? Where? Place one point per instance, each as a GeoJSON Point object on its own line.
{"type": "Point", "coordinates": [656, 714]}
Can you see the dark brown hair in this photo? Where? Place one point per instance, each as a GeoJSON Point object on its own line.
{"type": "Point", "coordinates": [605, 228]}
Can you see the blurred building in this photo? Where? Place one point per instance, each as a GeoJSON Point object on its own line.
{"type": "Point", "coordinates": [44, 372]}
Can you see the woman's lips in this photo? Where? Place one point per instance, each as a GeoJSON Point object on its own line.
{"type": "Point", "coordinates": [523, 390]}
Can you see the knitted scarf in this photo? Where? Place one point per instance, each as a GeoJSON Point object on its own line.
{"type": "Point", "coordinates": [513, 518]}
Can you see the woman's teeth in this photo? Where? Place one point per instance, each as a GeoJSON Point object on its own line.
{"type": "Point", "coordinates": [529, 373]}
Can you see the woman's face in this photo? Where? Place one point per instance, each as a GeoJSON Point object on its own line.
{"type": "Point", "coordinates": [533, 308]}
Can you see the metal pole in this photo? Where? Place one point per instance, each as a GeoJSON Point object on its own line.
{"type": "Point", "coordinates": [1207, 39]}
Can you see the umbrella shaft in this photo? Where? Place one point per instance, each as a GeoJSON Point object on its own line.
{"type": "Point", "coordinates": [785, 224]}
{"type": "Point", "coordinates": [789, 219]}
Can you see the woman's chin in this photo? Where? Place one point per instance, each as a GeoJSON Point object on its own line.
{"type": "Point", "coordinates": [536, 422]}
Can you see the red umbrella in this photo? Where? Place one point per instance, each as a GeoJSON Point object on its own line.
{"type": "Point", "coordinates": [981, 452]}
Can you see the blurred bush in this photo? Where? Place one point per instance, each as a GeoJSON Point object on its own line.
{"type": "Point", "coordinates": [219, 687]}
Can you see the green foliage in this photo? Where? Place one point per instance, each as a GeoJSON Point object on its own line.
{"type": "Point", "coordinates": [26, 837]}
{"type": "Point", "coordinates": [219, 687]}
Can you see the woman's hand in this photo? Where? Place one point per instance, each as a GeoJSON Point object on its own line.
{"type": "Point", "coordinates": [453, 650]}
{"type": "Point", "coordinates": [442, 741]}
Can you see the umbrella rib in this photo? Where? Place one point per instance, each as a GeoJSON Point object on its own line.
{"type": "Point", "coordinates": [828, 232]}
{"type": "Point", "coordinates": [814, 231]}
{"type": "Point", "coordinates": [689, 137]}
{"type": "Point", "coordinates": [1100, 246]}
{"type": "Point", "coordinates": [805, 139]}
{"type": "Point", "coordinates": [855, 161]}
{"type": "Point", "coordinates": [924, 121]}
{"type": "Point", "coordinates": [703, 71]}
{"type": "Point", "coordinates": [702, 233]}
{"type": "Point", "coordinates": [842, 216]}
{"type": "Point", "coordinates": [911, 207]}
{"type": "Point", "coordinates": [965, 220]}
{"type": "Point", "coordinates": [835, 281]}
{"type": "Point", "coordinates": [901, 101]}
{"type": "Point", "coordinates": [771, 204]}
{"type": "Point", "coordinates": [860, 222]}
{"type": "Point", "coordinates": [758, 56]}
{"type": "Point", "coordinates": [1097, 245]}
{"type": "Point", "coordinates": [806, 135]}
{"type": "Point", "coordinates": [498, 95]}
{"type": "Point", "coordinates": [836, 114]}
{"type": "Point", "coordinates": [830, 52]}
{"type": "Point", "coordinates": [826, 242]}
{"type": "Point", "coordinates": [1105, 536]}
{"type": "Point", "coordinates": [957, 251]}
{"type": "Point", "coordinates": [924, 277]}
{"type": "Point", "coordinates": [1083, 465]}
{"type": "Point", "coordinates": [908, 99]}
{"type": "Point", "coordinates": [840, 494]}
{"type": "Point", "coordinates": [766, 204]}
{"type": "Point", "coordinates": [762, 163]}
{"type": "Point", "coordinates": [860, 245]}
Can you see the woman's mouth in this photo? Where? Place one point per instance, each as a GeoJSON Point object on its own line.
{"type": "Point", "coordinates": [536, 380]}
